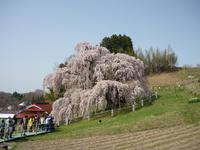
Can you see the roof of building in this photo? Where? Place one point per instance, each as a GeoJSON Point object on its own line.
{"type": "Point", "coordinates": [35, 109]}
{"type": "Point", "coordinates": [5, 115]}
{"type": "Point", "coordinates": [44, 107]}
{"type": "Point", "coordinates": [22, 104]}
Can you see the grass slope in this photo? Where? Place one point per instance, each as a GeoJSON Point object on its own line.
{"type": "Point", "coordinates": [172, 108]}
{"type": "Point", "coordinates": [172, 122]}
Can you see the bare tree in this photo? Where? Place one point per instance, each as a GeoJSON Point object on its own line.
{"type": "Point", "coordinates": [157, 60]}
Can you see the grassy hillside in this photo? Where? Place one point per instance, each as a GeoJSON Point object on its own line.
{"type": "Point", "coordinates": [171, 109]}
{"type": "Point", "coordinates": [187, 78]}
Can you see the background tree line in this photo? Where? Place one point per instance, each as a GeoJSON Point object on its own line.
{"type": "Point", "coordinates": [158, 60]}
{"type": "Point", "coordinates": [155, 60]}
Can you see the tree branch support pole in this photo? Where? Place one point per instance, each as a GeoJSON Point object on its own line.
{"type": "Point", "coordinates": [150, 98]}
{"type": "Point", "coordinates": [88, 117]}
{"type": "Point", "coordinates": [133, 107]}
{"type": "Point", "coordinates": [112, 112]}
{"type": "Point", "coordinates": [142, 102]}
{"type": "Point", "coordinates": [67, 121]}
{"type": "Point", "coordinates": [156, 94]}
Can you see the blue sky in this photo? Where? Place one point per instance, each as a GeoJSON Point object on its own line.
{"type": "Point", "coordinates": [35, 35]}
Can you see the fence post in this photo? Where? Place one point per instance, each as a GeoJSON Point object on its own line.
{"type": "Point", "coordinates": [142, 102]}
{"type": "Point", "coordinates": [88, 117]}
{"type": "Point", "coordinates": [150, 98]}
{"type": "Point", "coordinates": [67, 121]}
{"type": "Point", "coordinates": [112, 112]}
{"type": "Point", "coordinates": [156, 94]}
{"type": "Point", "coordinates": [133, 107]}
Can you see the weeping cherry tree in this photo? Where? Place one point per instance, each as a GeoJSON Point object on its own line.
{"type": "Point", "coordinates": [95, 79]}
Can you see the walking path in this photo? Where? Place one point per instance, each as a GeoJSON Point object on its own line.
{"type": "Point", "coordinates": [18, 136]}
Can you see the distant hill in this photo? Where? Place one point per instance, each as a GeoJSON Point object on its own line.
{"type": "Point", "coordinates": [32, 95]}
{"type": "Point", "coordinates": [7, 99]}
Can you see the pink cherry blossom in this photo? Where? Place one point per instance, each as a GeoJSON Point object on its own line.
{"type": "Point", "coordinates": [95, 79]}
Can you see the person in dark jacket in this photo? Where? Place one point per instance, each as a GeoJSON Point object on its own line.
{"type": "Point", "coordinates": [2, 128]}
{"type": "Point", "coordinates": [10, 127]}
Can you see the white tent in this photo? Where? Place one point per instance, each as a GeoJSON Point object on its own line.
{"type": "Point", "coordinates": [4, 116]}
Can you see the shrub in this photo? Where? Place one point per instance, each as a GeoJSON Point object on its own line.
{"type": "Point", "coordinates": [194, 100]}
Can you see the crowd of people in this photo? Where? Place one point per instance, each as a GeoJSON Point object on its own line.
{"type": "Point", "coordinates": [25, 125]}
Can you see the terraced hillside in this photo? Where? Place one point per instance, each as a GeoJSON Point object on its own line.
{"type": "Point", "coordinates": [173, 138]}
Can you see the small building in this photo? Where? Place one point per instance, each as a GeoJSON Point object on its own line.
{"type": "Point", "coordinates": [35, 109]}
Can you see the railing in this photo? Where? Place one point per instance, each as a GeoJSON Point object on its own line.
{"type": "Point", "coordinates": [12, 133]}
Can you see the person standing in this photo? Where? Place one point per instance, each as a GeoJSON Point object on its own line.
{"type": "Point", "coordinates": [36, 122]}
{"type": "Point", "coordinates": [47, 122]}
{"type": "Point", "coordinates": [7, 125]}
{"type": "Point", "coordinates": [21, 125]}
{"type": "Point", "coordinates": [42, 122]}
{"type": "Point", "coordinates": [15, 123]}
{"type": "Point", "coordinates": [51, 123]}
{"type": "Point", "coordinates": [25, 123]}
{"type": "Point", "coordinates": [2, 128]}
{"type": "Point", "coordinates": [11, 125]}
{"type": "Point", "coordinates": [30, 124]}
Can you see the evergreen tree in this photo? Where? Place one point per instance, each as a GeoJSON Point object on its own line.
{"type": "Point", "coordinates": [118, 44]}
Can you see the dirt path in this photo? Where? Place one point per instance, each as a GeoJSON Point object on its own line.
{"type": "Point", "coordinates": [174, 138]}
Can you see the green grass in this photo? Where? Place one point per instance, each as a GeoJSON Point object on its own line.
{"type": "Point", "coordinates": [172, 108]}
